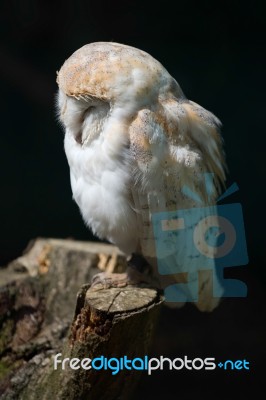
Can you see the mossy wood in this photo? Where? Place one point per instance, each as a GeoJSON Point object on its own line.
{"type": "Point", "coordinates": [42, 315]}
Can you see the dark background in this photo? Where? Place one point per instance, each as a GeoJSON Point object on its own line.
{"type": "Point", "coordinates": [216, 51]}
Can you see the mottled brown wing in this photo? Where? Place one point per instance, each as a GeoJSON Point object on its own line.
{"type": "Point", "coordinates": [173, 146]}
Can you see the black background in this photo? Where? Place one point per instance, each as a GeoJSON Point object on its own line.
{"type": "Point", "coordinates": [216, 51]}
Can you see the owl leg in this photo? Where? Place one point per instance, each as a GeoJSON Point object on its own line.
{"type": "Point", "coordinates": [137, 273]}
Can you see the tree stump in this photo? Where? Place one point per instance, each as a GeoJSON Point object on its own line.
{"type": "Point", "coordinates": [41, 315]}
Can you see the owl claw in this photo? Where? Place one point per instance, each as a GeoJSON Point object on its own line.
{"type": "Point", "coordinates": [107, 280]}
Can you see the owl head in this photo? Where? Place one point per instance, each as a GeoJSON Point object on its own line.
{"type": "Point", "coordinates": [109, 88]}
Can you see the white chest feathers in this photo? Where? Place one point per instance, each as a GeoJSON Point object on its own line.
{"type": "Point", "coordinates": [101, 180]}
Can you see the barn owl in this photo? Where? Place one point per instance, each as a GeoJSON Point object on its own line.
{"type": "Point", "coordinates": [133, 141]}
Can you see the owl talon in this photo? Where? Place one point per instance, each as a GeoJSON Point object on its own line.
{"type": "Point", "coordinates": [107, 280]}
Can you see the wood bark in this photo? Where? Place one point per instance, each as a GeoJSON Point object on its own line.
{"type": "Point", "coordinates": [47, 307]}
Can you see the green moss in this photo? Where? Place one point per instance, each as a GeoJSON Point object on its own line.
{"type": "Point", "coordinates": [6, 334]}
{"type": "Point", "coordinates": [5, 369]}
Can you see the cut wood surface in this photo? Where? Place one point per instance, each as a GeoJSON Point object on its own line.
{"type": "Point", "coordinates": [47, 307]}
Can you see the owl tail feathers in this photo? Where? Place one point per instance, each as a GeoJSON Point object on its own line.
{"type": "Point", "coordinates": [202, 290]}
